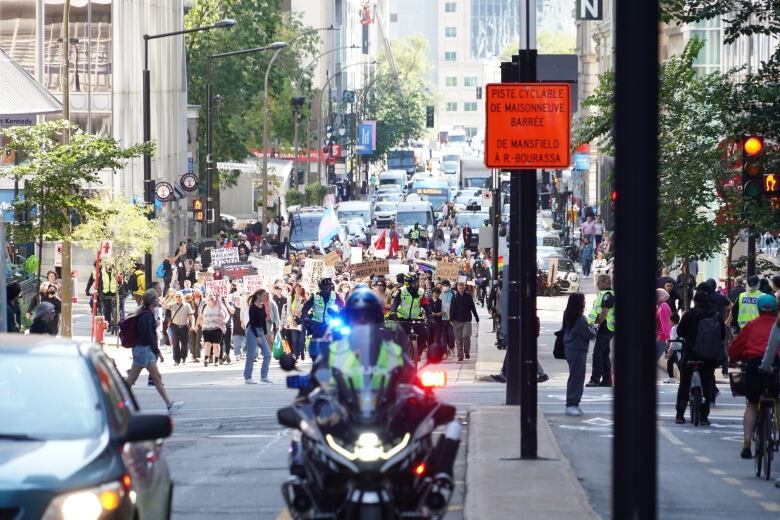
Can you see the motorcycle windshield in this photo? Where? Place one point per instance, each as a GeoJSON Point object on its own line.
{"type": "Point", "coordinates": [370, 370]}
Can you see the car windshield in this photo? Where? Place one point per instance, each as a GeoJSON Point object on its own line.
{"type": "Point", "coordinates": [456, 138]}
{"type": "Point", "coordinates": [391, 181]}
{"type": "Point", "coordinates": [410, 218]}
{"type": "Point", "coordinates": [48, 397]}
{"type": "Point", "coordinates": [450, 166]}
{"type": "Point", "coordinates": [548, 241]}
{"type": "Point", "coordinates": [474, 220]}
{"type": "Point", "coordinates": [564, 264]}
{"type": "Point", "coordinates": [361, 214]}
{"type": "Point", "coordinates": [308, 228]}
{"type": "Point", "coordinates": [477, 182]}
{"type": "Point", "coordinates": [451, 157]}
{"type": "Point", "coordinates": [384, 206]}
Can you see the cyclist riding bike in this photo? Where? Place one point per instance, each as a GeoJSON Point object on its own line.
{"type": "Point", "coordinates": [749, 346]}
{"type": "Point", "coordinates": [408, 308]}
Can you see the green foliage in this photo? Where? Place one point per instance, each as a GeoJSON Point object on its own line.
{"type": "Point", "coordinates": [314, 194]}
{"type": "Point", "coordinates": [239, 80]}
{"type": "Point", "coordinates": [131, 233]}
{"type": "Point", "coordinates": [397, 101]}
{"type": "Point", "coordinates": [56, 174]}
{"type": "Point", "coordinates": [546, 43]}
{"type": "Point", "coordinates": [695, 114]}
{"type": "Point", "coordinates": [30, 266]}
{"type": "Point", "coordinates": [294, 198]}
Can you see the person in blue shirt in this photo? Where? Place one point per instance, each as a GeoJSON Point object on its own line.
{"type": "Point", "coordinates": [587, 256]}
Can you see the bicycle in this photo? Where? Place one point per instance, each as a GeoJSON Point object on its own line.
{"type": "Point", "coordinates": [413, 349]}
{"type": "Point", "coordinates": [765, 433]}
{"type": "Point", "coordinates": [696, 397]}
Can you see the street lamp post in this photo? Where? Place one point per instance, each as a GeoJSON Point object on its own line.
{"type": "Point", "coordinates": [147, 121]}
{"type": "Point", "coordinates": [213, 208]}
{"type": "Point", "coordinates": [280, 48]}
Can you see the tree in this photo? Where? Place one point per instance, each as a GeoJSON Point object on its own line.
{"type": "Point", "coordinates": [126, 225]}
{"type": "Point", "coordinates": [56, 175]}
{"type": "Point", "coordinates": [695, 115]}
{"type": "Point", "coordinates": [546, 43]}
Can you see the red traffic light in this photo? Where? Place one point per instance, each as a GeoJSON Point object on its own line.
{"type": "Point", "coordinates": [753, 146]}
{"type": "Point", "coordinates": [613, 196]}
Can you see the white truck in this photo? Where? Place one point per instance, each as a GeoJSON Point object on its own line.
{"type": "Point", "coordinates": [474, 174]}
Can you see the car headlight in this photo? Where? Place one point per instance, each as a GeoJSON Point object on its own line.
{"type": "Point", "coordinates": [87, 504]}
{"type": "Point", "coordinates": [368, 448]}
{"type": "Point", "coordinates": [574, 278]}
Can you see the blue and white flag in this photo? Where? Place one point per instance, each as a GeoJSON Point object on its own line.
{"type": "Point", "coordinates": [329, 228]}
{"type": "Point", "coordinates": [459, 244]}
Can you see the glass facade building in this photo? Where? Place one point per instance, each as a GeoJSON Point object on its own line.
{"type": "Point", "coordinates": [494, 24]}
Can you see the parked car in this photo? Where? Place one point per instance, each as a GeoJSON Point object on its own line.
{"type": "Point", "coordinates": [74, 444]}
{"type": "Point", "coordinates": [566, 278]}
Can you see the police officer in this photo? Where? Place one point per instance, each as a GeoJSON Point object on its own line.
{"type": "Point", "coordinates": [602, 316]}
{"type": "Point", "coordinates": [747, 302]}
{"type": "Point", "coordinates": [319, 308]}
{"type": "Point", "coordinates": [414, 234]}
{"type": "Point", "coordinates": [407, 307]}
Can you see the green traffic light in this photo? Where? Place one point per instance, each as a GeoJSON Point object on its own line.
{"type": "Point", "coordinates": [751, 189]}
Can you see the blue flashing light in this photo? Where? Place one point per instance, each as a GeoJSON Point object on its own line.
{"type": "Point", "coordinates": [336, 322]}
{"type": "Point", "coordinates": [344, 331]}
{"type": "Point", "coordinates": [298, 382]}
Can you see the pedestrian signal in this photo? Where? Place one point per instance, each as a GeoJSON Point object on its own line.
{"type": "Point", "coordinates": [429, 117]}
{"type": "Point", "coordinates": [771, 184]}
{"type": "Point", "coordinates": [197, 210]}
{"type": "Point", "coordinates": [754, 182]}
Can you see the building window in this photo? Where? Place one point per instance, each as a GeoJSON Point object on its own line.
{"type": "Point", "coordinates": [470, 106]}
{"type": "Point", "coordinates": [450, 56]}
{"type": "Point", "coordinates": [393, 17]}
{"type": "Point", "coordinates": [709, 58]}
{"type": "Point", "coordinates": [470, 81]}
{"type": "Point", "coordinates": [471, 131]}
{"type": "Point", "coordinates": [450, 32]}
{"type": "Point", "coordinates": [451, 106]}
{"type": "Point", "coordinates": [451, 81]}
{"type": "Point", "coordinates": [450, 7]}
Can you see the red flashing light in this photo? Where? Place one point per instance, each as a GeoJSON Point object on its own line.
{"type": "Point", "coordinates": [127, 481]}
{"type": "Point", "coordinates": [613, 196]}
{"type": "Point", "coordinates": [420, 469]}
{"type": "Point", "coordinates": [433, 378]}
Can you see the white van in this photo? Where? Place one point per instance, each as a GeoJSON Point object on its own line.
{"type": "Point", "coordinates": [410, 213]}
{"type": "Point", "coordinates": [393, 178]}
{"type": "Point", "coordinates": [355, 209]}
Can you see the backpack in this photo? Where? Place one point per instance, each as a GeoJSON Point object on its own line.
{"type": "Point", "coordinates": [708, 345]}
{"type": "Point", "coordinates": [160, 270]}
{"type": "Point", "coordinates": [132, 283]}
{"type": "Point", "coordinates": [128, 329]}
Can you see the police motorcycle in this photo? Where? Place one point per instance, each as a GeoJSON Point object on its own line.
{"type": "Point", "coordinates": [363, 443]}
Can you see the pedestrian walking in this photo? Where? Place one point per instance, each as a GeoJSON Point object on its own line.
{"type": "Point", "coordinates": [577, 334]}
{"type": "Point", "coordinates": [212, 322]}
{"type": "Point", "coordinates": [293, 319]}
{"type": "Point", "coordinates": [602, 316]}
{"type": "Point", "coordinates": [180, 325]}
{"type": "Point", "coordinates": [256, 335]}
{"type": "Point", "coordinates": [662, 322]}
{"type": "Point", "coordinates": [461, 309]}
{"type": "Point", "coordinates": [137, 283]}
{"type": "Point", "coordinates": [587, 256]}
{"type": "Point", "coordinates": [196, 334]}
{"type": "Point", "coordinates": [446, 332]}
{"type": "Point", "coordinates": [146, 352]}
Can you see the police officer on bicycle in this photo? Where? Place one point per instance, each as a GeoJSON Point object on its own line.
{"type": "Point", "coordinates": [408, 308]}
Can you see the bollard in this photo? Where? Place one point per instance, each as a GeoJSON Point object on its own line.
{"type": "Point", "coordinates": [100, 327]}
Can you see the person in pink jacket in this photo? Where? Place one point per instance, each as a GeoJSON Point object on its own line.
{"type": "Point", "coordinates": [663, 326]}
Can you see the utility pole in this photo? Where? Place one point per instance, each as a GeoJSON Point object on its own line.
{"type": "Point", "coordinates": [67, 284]}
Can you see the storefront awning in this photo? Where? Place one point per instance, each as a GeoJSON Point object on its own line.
{"type": "Point", "coordinates": [20, 93]}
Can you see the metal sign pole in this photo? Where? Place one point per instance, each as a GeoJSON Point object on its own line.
{"type": "Point", "coordinates": [634, 457]}
{"type": "Point", "coordinates": [3, 263]}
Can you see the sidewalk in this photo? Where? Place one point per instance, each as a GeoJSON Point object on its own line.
{"type": "Point", "coordinates": [500, 485]}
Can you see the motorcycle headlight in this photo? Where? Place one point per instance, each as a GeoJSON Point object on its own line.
{"type": "Point", "coordinates": [368, 447]}
{"type": "Point", "coordinates": [86, 504]}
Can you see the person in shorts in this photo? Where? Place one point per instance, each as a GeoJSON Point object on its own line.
{"type": "Point", "coordinates": [146, 352]}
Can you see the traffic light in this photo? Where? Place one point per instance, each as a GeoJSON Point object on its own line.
{"type": "Point", "coordinates": [197, 210]}
{"type": "Point", "coordinates": [429, 117]}
{"type": "Point", "coordinates": [479, 92]}
{"type": "Point", "coordinates": [753, 183]}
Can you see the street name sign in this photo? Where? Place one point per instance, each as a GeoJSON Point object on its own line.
{"type": "Point", "coordinates": [528, 125]}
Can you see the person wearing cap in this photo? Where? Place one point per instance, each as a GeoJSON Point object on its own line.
{"type": "Point", "coordinates": [747, 308]}
{"type": "Point", "coordinates": [749, 347]}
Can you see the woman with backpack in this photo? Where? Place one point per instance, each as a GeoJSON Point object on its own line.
{"type": "Point", "coordinates": [145, 349]}
{"type": "Point", "coordinates": [212, 321]}
{"type": "Point", "coordinates": [577, 335]}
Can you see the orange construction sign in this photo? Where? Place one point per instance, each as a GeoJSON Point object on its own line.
{"type": "Point", "coordinates": [528, 125]}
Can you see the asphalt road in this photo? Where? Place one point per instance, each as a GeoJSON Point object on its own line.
{"type": "Point", "coordinates": [228, 455]}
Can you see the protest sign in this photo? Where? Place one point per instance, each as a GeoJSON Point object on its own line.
{"type": "Point", "coordinates": [253, 283]}
{"type": "Point", "coordinates": [396, 269]}
{"type": "Point", "coordinates": [218, 287]}
{"type": "Point", "coordinates": [356, 255]}
{"type": "Point", "coordinates": [370, 268]}
{"type": "Point", "coordinates": [332, 258]}
{"type": "Point", "coordinates": [272, 269]}
{"type": "Point", "coordinates": [236, 270]}
{"type": "Point", "coordinates": [202, 277]}
{"type": "Point", "coordinates": [313, 272]}
{"type": "Point", "coordinates": [224, 255]}
{"type": "Point", "coordinates": [447, 270]}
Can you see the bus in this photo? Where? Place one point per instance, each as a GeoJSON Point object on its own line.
{"type": "Point", "coordinates": [437, 191]}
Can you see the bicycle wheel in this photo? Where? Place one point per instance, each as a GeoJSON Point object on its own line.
{"type": "Point", "coordinates": [696, 401]}
{"type": "Point", "coordinates": [758, 435]}
{"type": "Point", "coordinates": [769, 442]}
{"type": "Point", "coordinates": [413, 351]}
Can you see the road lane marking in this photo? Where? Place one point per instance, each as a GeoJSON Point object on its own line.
{"type": "Point", "coordinates": [703, 459]}
{"type": "Point", "coordinates": [245, 436]}
{"type": "Point", "coordinates": [670, 436]}
{"type": "Point", "coordinates": [752, 493]}
{"type": "Point", "coordinates": [771, 506]}
{"type": "Point", "coordinates": [717, 471]}
{"type": "Point", "coordinates": [732, 480]}
{"type": "Point", "coordinates": [689, 450]}
{"type": "Point", "coordinates": [455, 507]}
